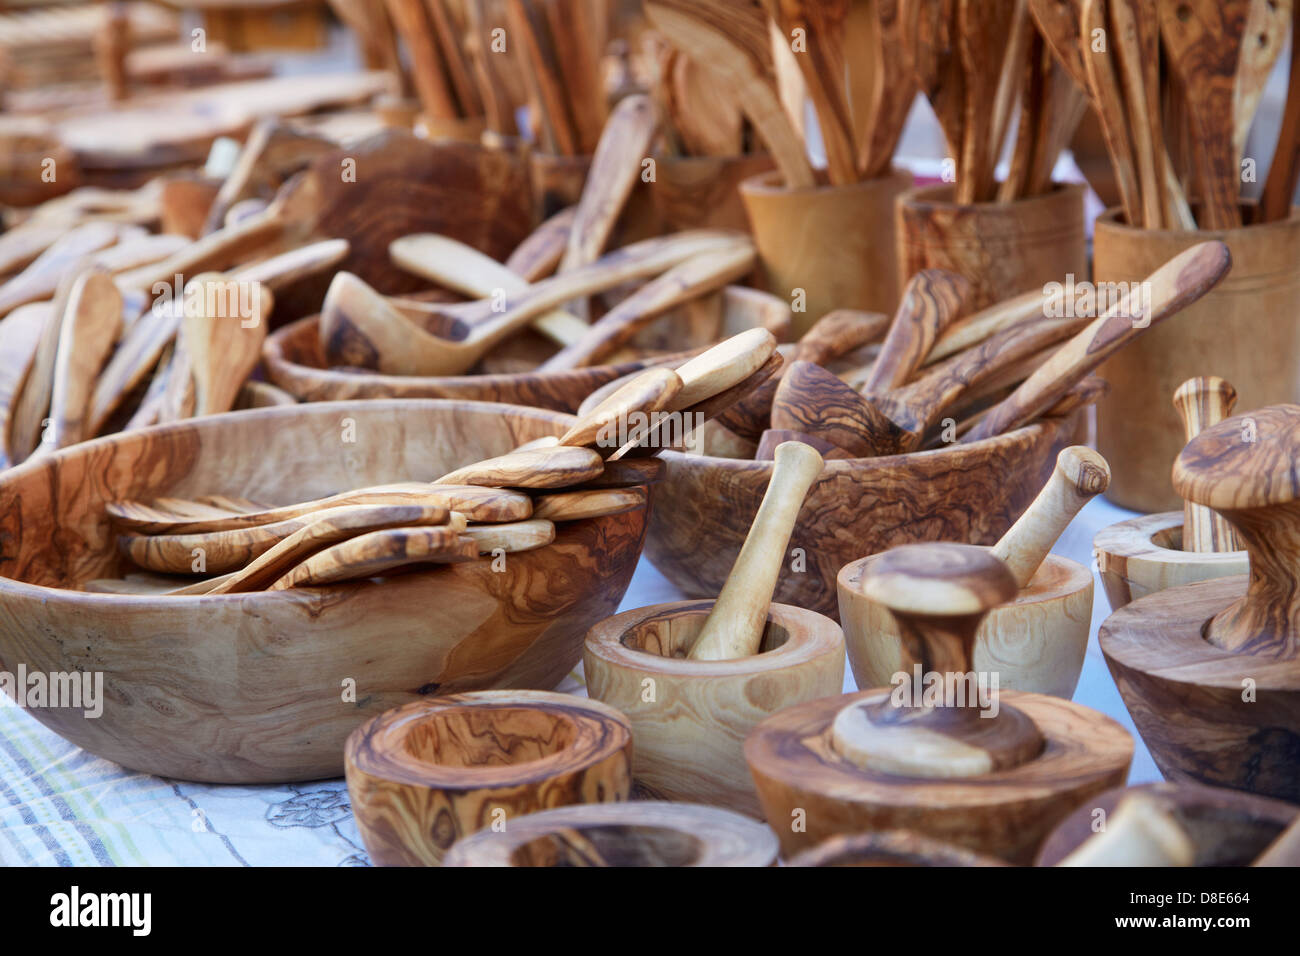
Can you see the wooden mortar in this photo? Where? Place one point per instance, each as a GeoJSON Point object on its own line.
{"type": "Point", "coordinates": [640, 833]}
{"type": "Point", "coordinates": [1036, 642]}
{"type": "Point", "coordinates": [424, 775]}
{"type": "Point", "coordinates": [1244, 330]}
{"type": "Point", "coordinates": [1226, 827]}
{"type": "Point", "coordinates": [835, 243]}
{"type": "Point", "coordinates": [1210, 672]}
{"type": "Point", "coordinates": [1003, 248]}
{"type": "Point", "coordinates": [992, 780]}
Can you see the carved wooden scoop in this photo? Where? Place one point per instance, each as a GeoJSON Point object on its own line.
{"type": "Point", "coordinates": [735, 625]}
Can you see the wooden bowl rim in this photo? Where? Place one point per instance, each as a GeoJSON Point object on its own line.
{"type": "Point", "coordinates": [1132, 539]}
{"type": "Point", "coordinates": [428, 775]}
{"type": "Point", "coordinates": [891, 845]}
{"type": "Point", "coordinates": [922, 199]}
{"type": "Point", "coordinates": [810, 636]}
{"type": "Point", "coordinates": [1075, 578]}
{"type": "Point", "coordinates": [1109, 221]}
{"type": "Point", "coordinates": [264, 600]}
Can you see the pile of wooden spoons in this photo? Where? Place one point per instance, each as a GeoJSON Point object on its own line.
{"type": "Point", "coordinates": [510, 503]}
{"type": "Point", "coordinates": [930, 369]}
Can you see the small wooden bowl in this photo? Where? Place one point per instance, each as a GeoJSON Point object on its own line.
{"type": "Point", "coordinates": [800, 776]}
{"type": "Point", "coordinates": [969, 493]}
{"type": "Point", "coordinates": [248, 688]}
{"type": "Point", "coordinates": [1144, 555]}
{"type": "Point", "coordinates": [691, 730]}
{"type": "Point", "coordinates": [422, 776]}
{"type": "Point", "coordinates": [295, 362]}
{"type": "Point", "coordinates": [1227, 827]}
{"type": "Point", "coordinates": [1035, 643]}
{"type": "Point", "coordinates": [890, 848]}
{"type": "Point", "coordinates": [639, 833]}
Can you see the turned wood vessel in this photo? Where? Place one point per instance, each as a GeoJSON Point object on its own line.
{"type": "Point", "coordinates": [426, 774]}
{"type": "Point", "coordinates": [262, 687]}
{"type": "Point", "coordinates": [889, 848]}
{"type": "Point", "coordinates": [638, 833]}
{"type": "Point", "coordinates": [1210, 672]}
{"type": "Point", "coordinates": [943, 752]}
{"type": "Point", "coordinates": [690, 717]}
{"type": "Point", "coordinates": [1226, 827]}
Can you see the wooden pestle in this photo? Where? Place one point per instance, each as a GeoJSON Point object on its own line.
{"type": "Point", "coordinates": [734, 627]}
{"type": "Point", "coordinates": [1140, 832]}
{"type": "Point", "coordinates": [1079, 476]}
{"type": "Point", "coordinates": [1204, 401]}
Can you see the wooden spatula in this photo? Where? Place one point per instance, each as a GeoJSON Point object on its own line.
{"type": "Point", "coordinates": [1108, 100]}
{"type": "Point", "coordinates": [20, 339]}
{"type": "Point", "coordinates": [554, 467]}
{"type": "Point", "coordinates": [1136, 37]}
{"type": "Point", "coordinates": [734, 628]}
{"type": "Point", "coordinates": [370, 554]}
{"type": "Point", "coordinates": [892, 90]}
{"type": "Point", "coordinates": [930, 33]}
{"type": "Point", "coordinates": [1175, 285]}
{"type": "Point", "coordinates": [932, 300]}
{"type": "Point", "coordinates": [539, 255]}
{"type": "Point", "coordinates": [588, 503]}
{"type": "Point", "coordinates": [643, 395]}
{"type": "Point", "coordinates": [983, 29]}
{"type": "Point", "coordinates": [223, 349]}
{"type": "Point", "coordinates": [1202, 402]}
{"type": "Point", "coordinates": [1264, 35]}
{"type": "Point", "coordinates": [41, 278]}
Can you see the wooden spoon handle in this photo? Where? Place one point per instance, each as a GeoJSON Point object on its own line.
{"type": "Point", "coordinates": [90, 328]}
{"type": "Point", "coordinates": [1080, 475]}
{"type": "Point", "coordinates": [1108, 100]}
{"type": "Point", "coordinates": [1175, 285]}
{"type": "Point", "coordinates": [1138, 833]}
{"type": "Point", "coordinates": [932, 300]}
{"type": "Point", "coordinates": [734, 628]}
{"type": "Point", "coordinates": [539, 255]}
{"type": "Point", "coordinates": [1202, 402]}
{"type": "Point", "coordinates": [370, 554]}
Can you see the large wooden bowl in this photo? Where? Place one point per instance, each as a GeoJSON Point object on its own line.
{"type": "Point", "coordinates": [254, 688]}
{"type": "Point", "coordinates": [969, 493]}
{"type": "Point", "coordinates": [296, 363]}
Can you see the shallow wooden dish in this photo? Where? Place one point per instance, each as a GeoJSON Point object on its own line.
{"type": "Point", "coordinates": [1145, 554]}
{"type": "Point", "coordinates": [424, 775]}
{"type": "Point", "coordinates": [639, 833]}
{"type": "Point", "coordinates": [249, 688]}
{"type": "Point", "coordinates": [295, 362]}
{"type": "Point", "coordinates": [1037, 642]}
{"type": "Point", "coordinates": [1227, 827]}
{"type": "Point", "coordinates": [689, 736]}
{"type": "Point", "coordinates": [967, 493]}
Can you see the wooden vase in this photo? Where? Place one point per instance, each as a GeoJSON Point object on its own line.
{"type": "Point", "coordinates": [835, 243]}
{"type": "Point", "coordinates": [690, 717]}
{"type": "Point", "coordinates": [1002, 248]}
{"type": "Point", "coordinates": [639, 833]}
{"type": "Point", "coordinates": [702, 192]}
{"type": "Point", "coordinates": [424, 775]}
{"type": "Point", "coordinates": [1143, 555]}
{"type": "Point", "coordinates": [1036, 643]}
{"type": "Point", "coordinates": [1245, 330]}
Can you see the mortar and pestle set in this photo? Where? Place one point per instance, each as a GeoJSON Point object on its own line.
{"type": "Point", "coordinates": [1210, 671]}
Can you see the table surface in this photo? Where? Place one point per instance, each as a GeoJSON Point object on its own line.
{"type": "Point", "coordinates": [59, 805]}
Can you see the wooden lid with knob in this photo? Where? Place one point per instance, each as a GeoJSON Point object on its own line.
{"type": "Point", "coordinates": [1247, 468]}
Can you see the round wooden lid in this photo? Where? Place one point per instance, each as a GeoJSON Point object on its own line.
{"type": "Point", "coordinates": [939, 580]}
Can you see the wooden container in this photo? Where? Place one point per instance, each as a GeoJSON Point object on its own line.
{"type": "Point", "coordinates": [1143, 555]}
{"type": "Point", "coordinates": [252, 688]}
{"type": "Point", "coordinates": [1244, 330]}
{"type": "Point", "coordinates": [833, 242]}
{"type": "Point", "coordinates": [690, 717]}
{"type": "Point", "coordinates": [424, 775]}
{"type": "Point", "coordinates": [1226, 827]}
{"type": "Point", "coordinates": [1036, 642]}
{"type": "Point", "coordinates": [296, 363]}
{"type": "Point", "coordinates": [1002, 248]}
{"type": "Point", "coordinates": [702, 192]}
{"type": "Point", "coordinates": [889, 848]}
{"type": "Point", "coordinates": [967, 492]}
{"type": "Point", "coordinates": [639, 833]}
{"type": "Point", "coordinates": [1210, 672]}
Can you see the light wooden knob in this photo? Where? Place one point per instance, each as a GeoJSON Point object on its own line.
{"type": "Point", "coordinates": [1248, 469]}
{"type": "Point", "coordinates": [1202, 402]}
{"type": "Point", "coordinates": [1140, 832]}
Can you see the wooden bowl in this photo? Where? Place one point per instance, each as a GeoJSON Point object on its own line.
{"type": "Point", "coordinates": [251, 688]}
{"type": "Point", "coordinates": [639, 833]}
{"type": "Point", "coordinates": [890, 848]}
{"type": "Point", "coordinates": [1007, 813]}
{"type": "Point", "coordinates": [1227, 827]}
{"type": "Point", "coordinates": [690, 718]}
{"type": "Point", "coordinates": [296, 363]}
{"type": "Point", "coordinates": [1035, 643]}
{"type": "Point", "coordinates": [1144, 555]}
{"type": "Point", "coordinates": [422, 776]}
{"type": "Point", "coordinates": [970, 493]}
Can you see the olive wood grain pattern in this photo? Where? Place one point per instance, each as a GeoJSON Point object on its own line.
{"type": "Point", "coordinates": [90, 327]}
{"type": "Point", "coordinates": [1202, 402]}
{"type": "Point", "coordinates": [638, 833]}
{"type": "Point", "coordinates": [1225, 827]}
{"type": "Point", "coordinates": [1285, 850]}
{"type": "Point", "coordinates": [1263, 37]}
{"type": "Point", "coordinates": [41, 277]}
{"type": "Point", "coordinates": [540, 253]}
{"type": "Point", "coordinates": [811, 399]}
{"type": "Point", "coordinates": [1138, 833]}
{"type": "Point", "coordinates": [554, 467]}
{"type": "Point", "coordinates": [511, 537]}
{"type": "Point", "coordinates": [422, 776]}
{"type": "Point", "coordinates": [1175, 285]}
{"type": "Point", "coordinates": [369, 555]}
{"type": "Point", "coordinates": [983, 29]}
{"type": "Point", "coordinates": [1143, 555]}
{"type": "Point", "coordinates": [588, 503]}
{"type": "Point", "coordinates": [223, 349]}
{"type": "Point", "coordinates": [688, 733]}
{"type": "Point", "coordinates": [1136, 35]}
{"type": "Point", "coordinates": [21, 334]}
{"type": "Point", "coordinates": [890, 848]}
{"type": "Point", "coordinates": [1284, 171]}
{"type": "Point", "coordinates": [649, 392]}
{"type": "Point", "coordinates": [773, 438]}
{"type": "Point", "coordinates": [1099, 62]}
{"type": "Point", "coordinates": [931, 37]}
{"type": "Point", "coordinates": [931, 301]}
{"type": "Point", "coordinates": [218, 250]}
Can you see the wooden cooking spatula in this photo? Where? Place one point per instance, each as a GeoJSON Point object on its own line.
{"type": "Point", "coordinates": [370, 554]}
{"type": "Point", "coordinates": [222, 348]}
{"type": "Point", "coordinates": [932, 300]}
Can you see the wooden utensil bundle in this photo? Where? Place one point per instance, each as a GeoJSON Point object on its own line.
{"type": "Point", "coordinates": [496, 506]}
